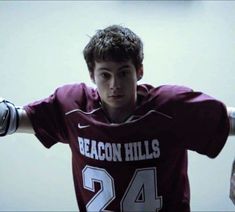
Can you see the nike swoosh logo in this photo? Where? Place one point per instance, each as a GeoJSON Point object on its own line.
{"type": "Point", "coordinates": [82, 126]}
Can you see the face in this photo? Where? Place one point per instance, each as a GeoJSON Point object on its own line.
{"type": "Point", "coordinates": [116, 83]}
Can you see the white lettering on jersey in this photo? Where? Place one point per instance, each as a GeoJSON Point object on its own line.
{"type": "Point", "coordinates": [132, 151]}
{"type": "Point", "coordinates": [99, 150]}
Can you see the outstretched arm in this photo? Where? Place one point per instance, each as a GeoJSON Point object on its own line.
{"type": "Point", "coordinates": [25, 125]}
{"type": "Point", "coordinates": [231, 115]}
{"type": "Point", "coordinates": [13, 119]}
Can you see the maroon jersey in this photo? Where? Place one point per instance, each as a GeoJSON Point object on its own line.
{"type": "Point", "coordinates": [140, 164]}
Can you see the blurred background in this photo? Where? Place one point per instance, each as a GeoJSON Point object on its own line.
{"type": "Point", "coordinates": [185, 42]}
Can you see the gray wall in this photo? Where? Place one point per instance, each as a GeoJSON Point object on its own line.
{"type": "Point", "coordinates": [186, 42]}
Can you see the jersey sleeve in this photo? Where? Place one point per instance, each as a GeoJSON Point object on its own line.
{"type": "Point", "coordinates": [200, 122]}
{"type": "Point", "coordinates": [47, 119]}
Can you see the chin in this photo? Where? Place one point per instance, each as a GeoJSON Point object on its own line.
{"type": "Point", "coordinates": [116, 105]}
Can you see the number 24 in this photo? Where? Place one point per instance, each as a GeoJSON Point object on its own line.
{"type": "Point", "coordinates": [140, 195]}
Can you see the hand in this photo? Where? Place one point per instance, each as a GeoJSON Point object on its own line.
{"type": "Point", "coordinates": [4, 114]}
{"type": "Point", "coordinates": [232, 184]}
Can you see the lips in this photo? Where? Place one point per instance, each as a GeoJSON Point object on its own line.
{"type": "Point", "coordinates": [116, 96]}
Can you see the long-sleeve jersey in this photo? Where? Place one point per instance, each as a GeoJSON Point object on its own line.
{"type": "Point", "coordinates": [137, 165]}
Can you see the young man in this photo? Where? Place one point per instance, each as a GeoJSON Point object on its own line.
{"type": "Point", "coordinates": [129, 142]}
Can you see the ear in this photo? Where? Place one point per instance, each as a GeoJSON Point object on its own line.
{"type": "Point", "coordinates": [92, 76]}
{"type": "Point", "coordinates": [140, 73]}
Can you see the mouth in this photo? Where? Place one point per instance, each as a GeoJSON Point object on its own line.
{"type": "Point", "coordinates": [118, 96]}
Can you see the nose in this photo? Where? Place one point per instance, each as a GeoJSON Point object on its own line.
{"type": "Point", "coordinates": [114, 83]}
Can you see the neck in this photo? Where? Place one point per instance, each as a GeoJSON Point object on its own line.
{"type": "Point", "coordinates": [119, 115]}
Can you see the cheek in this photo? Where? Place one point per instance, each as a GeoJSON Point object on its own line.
{"type": "Point", "coordinates": [131, 88]}
{"type": "Point", "coordinates": [101, 88]}
{"type": "Point", "coordinates": [133, 84]}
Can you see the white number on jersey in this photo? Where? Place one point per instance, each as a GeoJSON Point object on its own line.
{"type": "Point", "coordinates": [107, 192]}
{"type": "Point", "coordinates": [141, 194]}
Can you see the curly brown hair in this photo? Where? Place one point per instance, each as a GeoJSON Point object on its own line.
{"type": "Point", "coordinates": [114, 43]}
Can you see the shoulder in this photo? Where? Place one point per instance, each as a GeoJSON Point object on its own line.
{"type": "Point", "coordinates": [76, 91]}
{"type": "Point", "coordinates": [77, 95]}
{"type": "Point", "coordinates": [164, 92]}
{"type": "Point", "coordinates": [175, 98]}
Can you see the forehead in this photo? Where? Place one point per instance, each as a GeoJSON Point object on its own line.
{"type": "Point", "coordinates": [112, 65]}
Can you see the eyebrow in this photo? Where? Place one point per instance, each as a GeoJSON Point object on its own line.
{"type": "Point", "coordinates": [107, 69]}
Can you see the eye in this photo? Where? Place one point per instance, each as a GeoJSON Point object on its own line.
{"type": "Point", "coordinates": [124, 73]}
{"type": "Point", "coordinates": [105, 75]}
